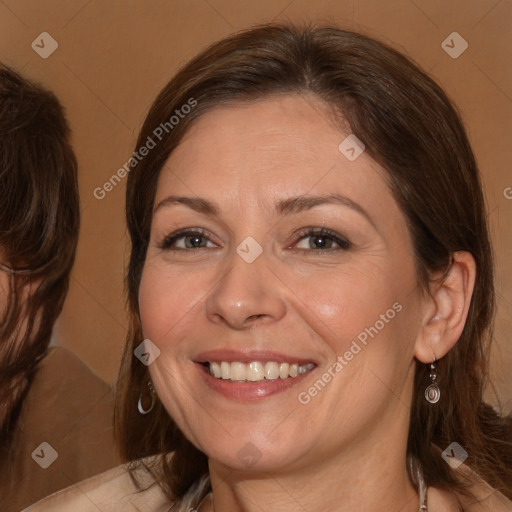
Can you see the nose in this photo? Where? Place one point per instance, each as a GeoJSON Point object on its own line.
{"type": "Point", "coordinates": [247, 294]}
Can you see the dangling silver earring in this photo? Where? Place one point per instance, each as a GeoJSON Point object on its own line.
{"type": "Point", "coordinates": [432, 391]}
{"type": "Point", "coordinates": [152, 395]}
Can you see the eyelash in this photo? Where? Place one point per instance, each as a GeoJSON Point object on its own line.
{"type": "Point", "coordinates": [343, 243]}
{"type": "Point", "coordinates": [167, 242]}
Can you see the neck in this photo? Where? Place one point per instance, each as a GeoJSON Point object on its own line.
{"type": "Point", "coordinates": [369, 475]}
{"type": "Point", "coordinates": [327, 491]}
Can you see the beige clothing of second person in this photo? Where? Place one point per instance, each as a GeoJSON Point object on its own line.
{"type": "Point", "coordinates": [70, 409]}
{"type": "Point", "coordinates": [114, 491]}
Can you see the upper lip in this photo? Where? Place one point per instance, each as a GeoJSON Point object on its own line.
{"type": "Point", "coordinates": [248, 356]}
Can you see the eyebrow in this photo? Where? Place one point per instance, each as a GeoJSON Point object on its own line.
{"type": "Point", "coordinates": [284, 207]}
{"type": "Point", "coordinates": [195, 203]}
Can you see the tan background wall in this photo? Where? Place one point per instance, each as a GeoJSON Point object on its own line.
{"type": "Point", "coordinates": [114, 56]}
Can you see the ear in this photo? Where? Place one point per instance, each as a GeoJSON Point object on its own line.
{"type": "Point", "coordinates": [446, 309]}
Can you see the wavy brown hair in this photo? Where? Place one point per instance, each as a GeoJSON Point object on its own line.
{"type": "Point", "coordinates": [39, 223]}
{"type": "Point", "coordinates": [408, 126]}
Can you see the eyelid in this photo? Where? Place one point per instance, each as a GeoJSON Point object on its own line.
{"type": "Point", "coordinates": [341, 240]}
{"type": "Point", "coordinates": [171, 238]}
{"type": "Point", "coordinates": [310, 231]}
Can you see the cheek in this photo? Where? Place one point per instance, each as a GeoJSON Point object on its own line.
{"type": "Point", "coordinates": [166, 298]}
{"type": "Point", "coordinates": [350, 302]}
{"type": "Point", "coordinates": [361, 314]}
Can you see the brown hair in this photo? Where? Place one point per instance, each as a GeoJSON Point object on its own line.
{"type": "Point", "coordinates": [410, 127]}
{"type": "Point", "coordinates": [39, 223]}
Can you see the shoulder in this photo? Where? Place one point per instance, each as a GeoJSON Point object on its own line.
{"type": "Point", "coordinates": [485, 498]}
{"type": "Point", "coordinates": [61, 362]}
{"type": "Point", "coordinates": [67, 396]}
{"type": "Point", "coordinates": [112, 491]}
{"type": "Point", "coordinates": [69, 410]}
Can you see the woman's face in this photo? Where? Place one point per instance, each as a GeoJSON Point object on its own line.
{"type": "Point", "coordinates": [272, 244]}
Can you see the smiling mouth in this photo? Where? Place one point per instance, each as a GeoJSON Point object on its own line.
{"type": "Point", "coordinates": [255, 371]}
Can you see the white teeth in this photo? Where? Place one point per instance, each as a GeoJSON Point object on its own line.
{"type": "Point", "coordinates": [257, 371]}
{"type": "Point", "coordinates": [237, 371]}
{"type": "Point", "coordinates": [271, 371]}
{"type": "Point", "coordinates": [215, 370]}
{"type": "Point", "coordinates": [254, 372]}
{"type": "Point", "coordinates": [225, 370]}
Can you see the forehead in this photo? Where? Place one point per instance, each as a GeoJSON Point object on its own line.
{"type": "Point", "coordinates": [276, 147]}
{"type": "Point", "coordinates": [274, 131]}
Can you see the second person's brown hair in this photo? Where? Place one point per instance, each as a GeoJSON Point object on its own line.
{"type": "Point", "coordinates": [39, 225]}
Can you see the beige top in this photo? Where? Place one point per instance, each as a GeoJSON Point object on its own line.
{"type": "Point", "coordinates": [70, 410]}
{"type": "Point", "coordinates": [114, 491]}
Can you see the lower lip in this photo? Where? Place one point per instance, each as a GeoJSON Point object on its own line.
{"type": "Point", "coordinates": [249, 391]}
